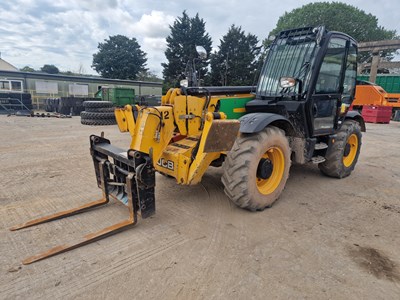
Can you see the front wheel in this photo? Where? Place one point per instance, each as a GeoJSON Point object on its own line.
{"type": "Point", "coordinates": [257, 168]}
{"type": "Point", "coordinates": [342, 156]}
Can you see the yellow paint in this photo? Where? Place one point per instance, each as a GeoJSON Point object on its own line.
{"type": "Point", "coordinates": [125, 120]}
{"type": "Point", "coordinates": [202, 160]}
{"type": "Point", "coordinates": [165, 98]}
{"type": "Point", "coordinates": [121, 119]}
{"type": "Point", "coordinates": [154, 128]}
{"type": "Point", "coordinates": [179, 154]}
{"type": "Point", "coordinates": [353, 142]}
{"type": "Point", "coordinates": [179, 109]}
{"type": "Point", "coordinates": [239, 110]}
{"type": "Point", "coordinates": [269, 185]}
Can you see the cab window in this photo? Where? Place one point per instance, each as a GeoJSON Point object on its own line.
{"type": "Point", "coordinates": [350, 75]}
{"type": "Point", "coordinates": [329, 76]}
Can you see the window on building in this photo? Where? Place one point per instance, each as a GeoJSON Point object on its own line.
{"type": "Point", "coordinates": [78, 89]}
{"type": "Point", "coordinates": [46, 87]}
{"type": "Point", "coordinates": [5, 85]}
{"type": "Point", "coordinates": [16, 86]}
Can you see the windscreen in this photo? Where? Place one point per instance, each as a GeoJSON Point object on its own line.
{"type": "Point", "coordinates": [290, 55]}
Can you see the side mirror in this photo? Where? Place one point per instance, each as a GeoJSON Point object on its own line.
{"type": "Point", "coordinates": [201, 52]}
{"type": "Point", "coordinates": [287, 82]}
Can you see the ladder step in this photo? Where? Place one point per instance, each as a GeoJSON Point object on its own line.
{"type": "Point", "coordinates": [320, 146]}
{"type": "Point", "coordinates": [318, 159]}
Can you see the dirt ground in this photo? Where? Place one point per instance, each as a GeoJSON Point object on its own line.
{"type": "Point", "coordinates": [324, 239]}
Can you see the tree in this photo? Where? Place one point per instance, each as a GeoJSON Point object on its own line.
{"type": "Point", "coordinates": [81, 69]}
{"type": "Point", "coordinates": [148, 76]}
{"type": "Point", "coordinates": [235, 63]}
{"type": "Point", "coordinates": [120, 58]}
{"type": "Point", "coordinates": [27, 69]}
{"type": "Point", "coordinates": [186, 34]}
{"type": "Point", "coordinates": [51, 69]}
{"type": "Point", "coordinates": [336, 16]}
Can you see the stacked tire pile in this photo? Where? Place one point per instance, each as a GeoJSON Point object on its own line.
{"type": "Point", "coordinates": [98, 113]}
{"type": "Point", "coordinates": [51, 104]}
{"type": "Point", "coordinates": [66, 105]}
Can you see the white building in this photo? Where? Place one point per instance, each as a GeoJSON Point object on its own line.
{"type": "Point", "coordinates": [5, 66]}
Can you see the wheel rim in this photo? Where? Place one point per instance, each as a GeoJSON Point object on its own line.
{"type": "Point", "coordinates": [352, 143]}
{"type": "Point", "coordinates": [269, 185]}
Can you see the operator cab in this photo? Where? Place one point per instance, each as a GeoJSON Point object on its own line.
{"type": "Point", "coordinates": [309, 76]}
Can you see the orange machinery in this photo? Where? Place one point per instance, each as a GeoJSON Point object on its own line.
{"type": "Point", "coordinates": [368, 93]}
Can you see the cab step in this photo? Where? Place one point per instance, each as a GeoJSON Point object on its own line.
{"type": "Point", "coordinates": [318, 159]}
{"type": "Point", "coordinates": [320, 146]}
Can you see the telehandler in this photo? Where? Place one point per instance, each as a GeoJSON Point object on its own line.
{"type": "Point", "coordinates": [298, 113]}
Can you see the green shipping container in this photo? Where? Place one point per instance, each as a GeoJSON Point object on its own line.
{"type": "Point", "coordinates": [118, 96]}
{"type": "Point", "coordinates": [390, 83]}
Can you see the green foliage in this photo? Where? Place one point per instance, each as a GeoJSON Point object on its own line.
{"type": "Point", "coordinates": [186, 34]}
{"type": "Point", "coordinates": [335, 16]}
{"type": "Point", "coordinates": [120, 58]}
{"type": "Point", "coordinates": [27, 69]}
{"type": "Point", "coordinates": [148, 76]}
{"type": "Point", "coordinates": [51, 69]}
{"type": "Point", "coordinates": [235, 63]}
{"type": "Point", "coordinates": [69, 73]}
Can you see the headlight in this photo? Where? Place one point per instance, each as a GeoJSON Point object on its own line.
{"type": "Point", "coordinates": [184, 83]}
{"type": "Point", "coordinates": [287, 82]}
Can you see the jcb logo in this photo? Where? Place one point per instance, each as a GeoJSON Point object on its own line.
{"type": "Point", "coordinates": [166, 164]}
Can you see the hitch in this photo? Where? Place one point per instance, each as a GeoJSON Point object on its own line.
{"type": "Point", "coordinates": [129, 178]}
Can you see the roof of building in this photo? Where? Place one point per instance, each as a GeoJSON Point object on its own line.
{"type": "Point", "coordinates": [6, 66]}
{"type": "Point", "coordinates": [41, 75]}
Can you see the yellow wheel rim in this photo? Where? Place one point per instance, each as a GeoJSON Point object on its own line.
{"type": "Point", "coordinates": [269, 185]}
{"type": "Point", "coordinates": [353, 144]}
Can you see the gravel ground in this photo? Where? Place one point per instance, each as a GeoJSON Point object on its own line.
{"type": "Point", "coordinates": [324, 239]}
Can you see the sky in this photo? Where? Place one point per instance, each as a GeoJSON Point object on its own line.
{"type": "Point", "coordinates": [66, 33]}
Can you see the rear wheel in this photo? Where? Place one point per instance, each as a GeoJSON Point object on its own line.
{"type": "Point", "coordinates": [342, 155]}
{"type": "Point", "coordinates": [257, 168]}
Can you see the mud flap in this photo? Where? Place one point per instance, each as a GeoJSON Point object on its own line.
{"type": "Point", "coordinates": [221, 136]}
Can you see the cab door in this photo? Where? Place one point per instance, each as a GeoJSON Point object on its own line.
{"type": "Point", "coordinates": [328, 90]}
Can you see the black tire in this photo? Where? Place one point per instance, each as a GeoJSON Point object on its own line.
{"type": "Point", "coordinates": [98, 122]}
{"type": "Point", "coordinates": [241, 177]}
{"type": "Point", "coordinates": [99, 109]}
{"type": "Point", "coordinates": [97, 104]}
{"type": "Point", "coordinates": [18, 101]}
{"type": "Point", "coordinates": [97, 116]}
{"type": "Point", "coordinates": [395, 114]}
{"type": "Point", "coordinates": [341, 157]}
